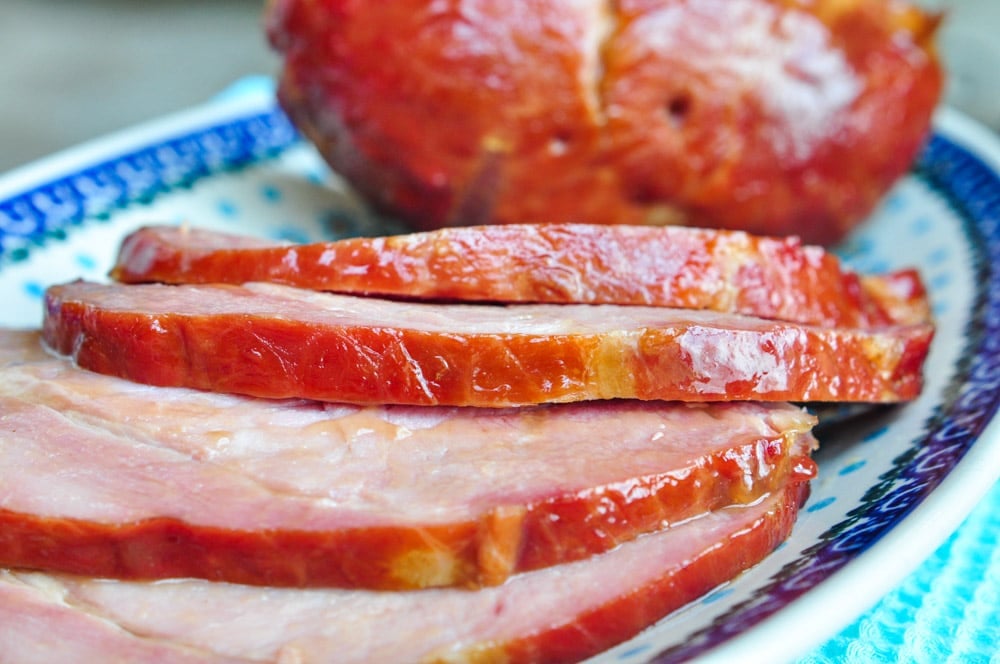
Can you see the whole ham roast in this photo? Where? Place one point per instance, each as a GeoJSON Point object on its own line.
{"type": "Point", "coordinates": [771, 116]}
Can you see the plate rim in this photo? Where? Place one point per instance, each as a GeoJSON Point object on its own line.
{"type": "Point", "coordinates": [905, 546]}
{"type": "Point", "coordinates": [162, 142]}
{"type": "Point", "coordinates": [37, 173]}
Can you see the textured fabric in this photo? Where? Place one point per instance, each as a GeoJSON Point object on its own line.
{"type": "Point", "coordinates": [948, 610]}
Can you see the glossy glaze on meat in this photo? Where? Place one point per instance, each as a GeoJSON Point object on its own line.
{"type": "Point", "coordinates": [277, 341]}
{"type": "Point", "coordinates": [109, 478]}
{"type": "Point", "coordinates": [561, 614]}
{"type": "Point", "coordinates": [685, 268]}
{"type": "Point", "coordinates": [770, 116]}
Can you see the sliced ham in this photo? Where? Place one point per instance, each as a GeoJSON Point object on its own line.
{"type": "Point", "coordinates": [110, 478]}
{"type": "Point", "coordinates": [38, 626]}
{"type": "Point", "coordinates": [277, 341]}
{"type": "Point", "coordinates": [560, 614]}
{"type": "Point", "coordinates": [686, 268]}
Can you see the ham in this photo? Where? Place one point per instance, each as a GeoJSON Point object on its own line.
{"type": "Point", "coordinates": [105, 477]}
{"type": "Point", "coordinates": [276, 341]}
{"type": "Point", "coordinates": [771, 116]}
{"type": "Point", "coordinates": [685, 268]}
{"type": "Point", "coordinates": [560, 614]}
{"type": "Point", "coordinates": [38, 626]}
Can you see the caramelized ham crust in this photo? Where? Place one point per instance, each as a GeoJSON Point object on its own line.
{"type": "Point", "coordinates": [770, 116]}
{"type": "Point", "coordinates": [109, 478]}
{"type": "Point", "coordinates": [684, 268]}
{"type": "Point", "coordinates": [560, 614]}
{"type": "Point", "coordinates": [277, 341]}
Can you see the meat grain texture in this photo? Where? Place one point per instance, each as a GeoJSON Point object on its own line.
{"type": "Point", "coordinates": [275, 341]}
{"type": "Point", "coordinates": [160, 483]}
{"type": "Point", "coordinates": [683, 268]}
{"type": "Point", "coordinates": [560, 614]}
{"type": "Point", "coordinates": [771, 116]}
{"type": "Point", "coordinates": [98, 470]}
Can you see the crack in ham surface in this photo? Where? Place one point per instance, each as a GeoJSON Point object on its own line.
{"type": "Point", "coordinates": [107, 477]}
{"type": "Point", "coordinates": [770, 116]}
{"type": "Point", "coordinates": [560, 614]}
{"type": "Point", "coordinates": [550, 263]}
{"type": "Point", "coordinates": [277, 341]}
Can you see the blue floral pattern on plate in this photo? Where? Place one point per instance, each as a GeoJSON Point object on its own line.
{"type": "Point", "coordinates": [50, 209]}
{"type": "Point", "coordinates": [250, 172]}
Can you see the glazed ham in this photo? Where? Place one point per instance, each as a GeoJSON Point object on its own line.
{"type": "Point", "coordinates": [40, 625]}
{"type": "Point", "coordinates": [108, 478]}
{"type": "Point", "coordinates": [561, 614]}
{"type": "Point", "coordinates": [323, 520]}
{"type": "Point", "coordinates": [770, 116]}
{"type": "Point", "coordinates": [684, 268]}
{"type": "Point", "coordinates": [276, 341]}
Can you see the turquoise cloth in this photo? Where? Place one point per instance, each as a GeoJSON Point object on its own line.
{"type": "Point", "coordinates": [948, 610]}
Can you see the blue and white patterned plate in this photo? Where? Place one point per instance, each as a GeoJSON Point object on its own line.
{"type": "Point", "coordinates": [893, 483]}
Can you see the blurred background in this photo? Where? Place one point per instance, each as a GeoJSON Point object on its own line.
{"type": "Point", "coordinates": [73, 70]}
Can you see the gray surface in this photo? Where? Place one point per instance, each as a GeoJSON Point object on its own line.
{"type": "Point", "coordinates": [970, 44]}
{"type": "Point", "coordinates": [73, 70]}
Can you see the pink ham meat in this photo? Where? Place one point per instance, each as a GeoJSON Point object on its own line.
{"type": "Point", "coordinates": [686, 268]}
{"type": "Point", "coordinates": [110, 478]}
{"type": "Point", "coordinates": [38, 626]}
{"type": "Point", "coordinates": [276, 341]}
{"type": "Point", "coordinates": [560, 614]}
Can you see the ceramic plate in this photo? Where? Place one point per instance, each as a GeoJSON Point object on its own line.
{"type": "Point", "coordinates": [893, 483]}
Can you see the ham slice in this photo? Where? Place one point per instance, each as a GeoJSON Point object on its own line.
{"type": "Point", "coordinates": [40, 627]}
{"type": "Point", "coordinates": [276, 341]}
{"type": "Point", "coordinates": [685, 268]}
{"type": "Point", "coordinates": [560, 614]}
{"type": "Point", "coordinates": [110, 478]}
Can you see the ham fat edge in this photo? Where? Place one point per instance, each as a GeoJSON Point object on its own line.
{"type": "Point", "coordinates": [560, 614]}
{"type": "Point", "coordinates": [276, 341]}
{"type": "Point", "coordinates": [683, 268]}
{"type": "Point", "coordinates": [294, 493]}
